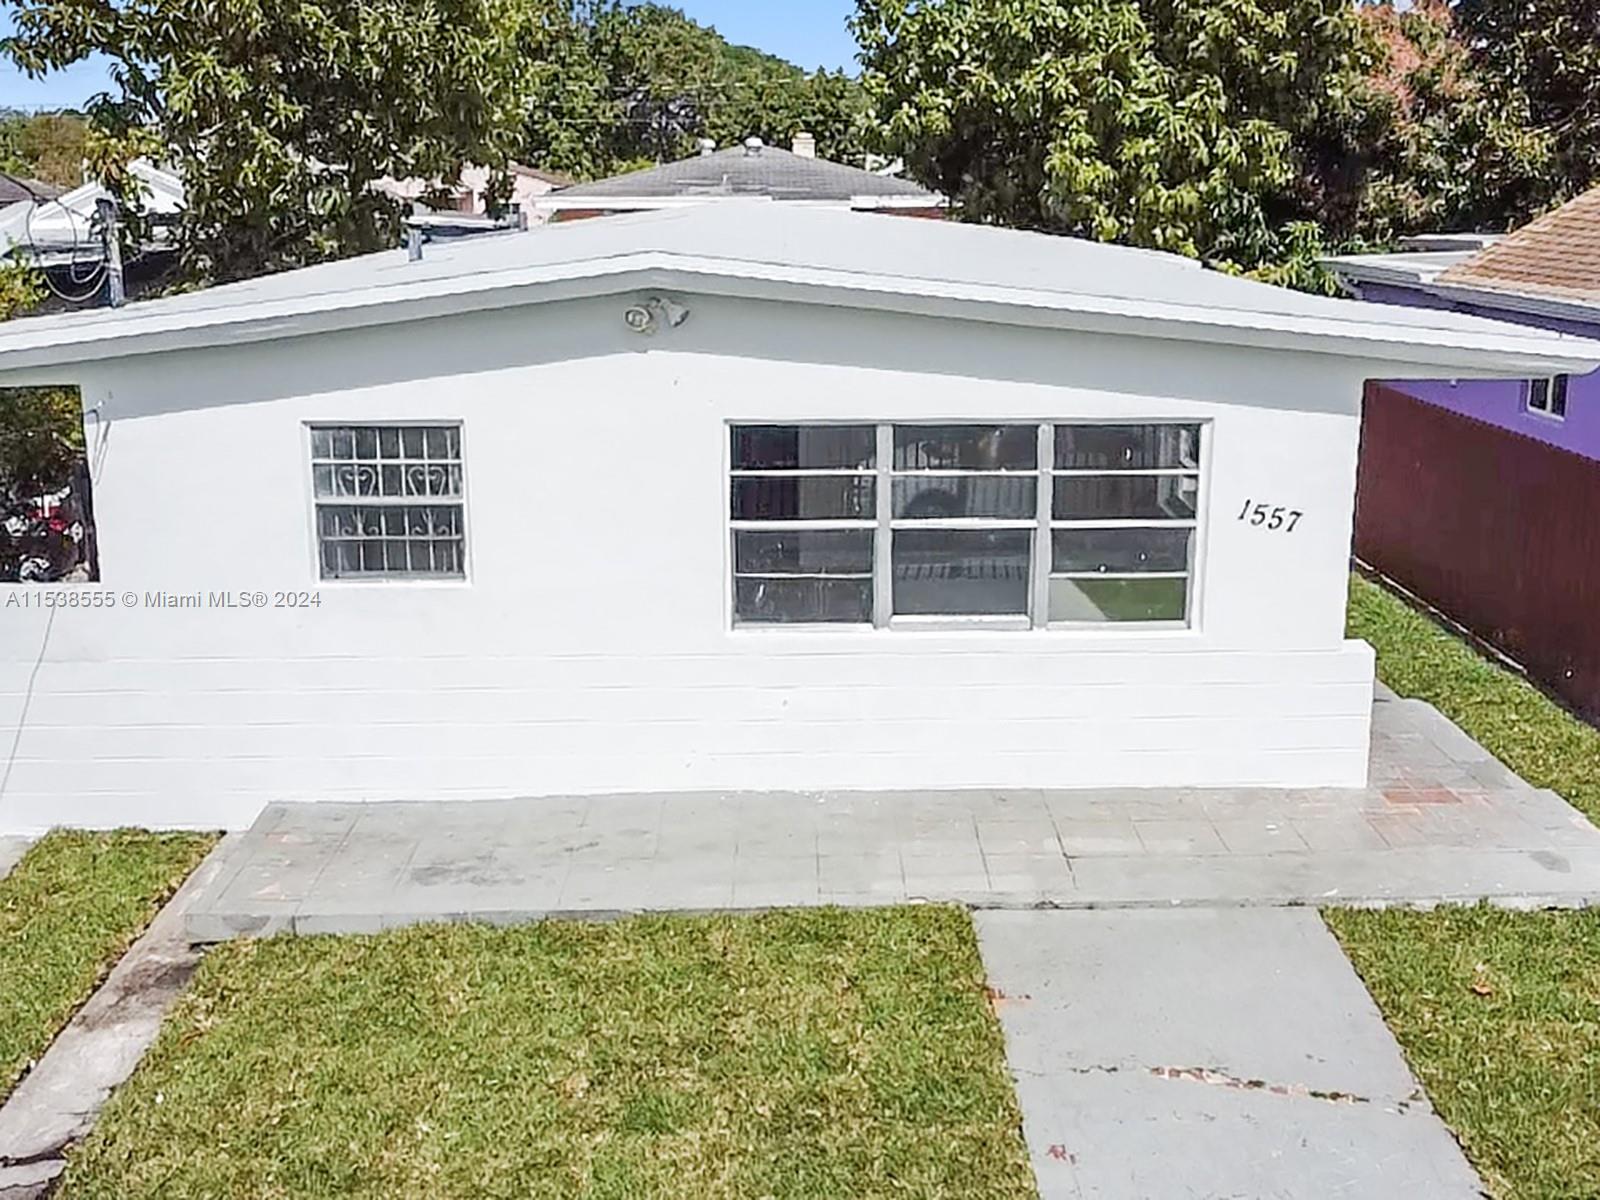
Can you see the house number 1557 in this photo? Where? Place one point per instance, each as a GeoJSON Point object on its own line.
{"type": "Point", "coordinates": [1269, 517]}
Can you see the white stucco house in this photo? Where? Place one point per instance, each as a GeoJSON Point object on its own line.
{"type": "Point", "coordinates": [724, 497]}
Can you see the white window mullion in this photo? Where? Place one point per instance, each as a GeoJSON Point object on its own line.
{"type": "Point", "coordinates": [883, 546]}
{"type": "Point", "coordinates": [1040, 579]}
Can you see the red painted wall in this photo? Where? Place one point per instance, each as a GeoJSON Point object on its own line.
{"type": "Point", "coordinates": [1498, 531]}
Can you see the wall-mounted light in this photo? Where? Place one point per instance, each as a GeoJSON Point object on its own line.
{"type": "Point", "coordinates": [650, 315]}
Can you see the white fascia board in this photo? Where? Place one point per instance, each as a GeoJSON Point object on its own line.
{"type": "Point", "coordinates": [1581, 311]}
{"type": "Point", "coordinates": [1403, 351]}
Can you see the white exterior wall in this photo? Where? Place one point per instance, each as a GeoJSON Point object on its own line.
{"type": "Point", "coordinates": [590, 649]}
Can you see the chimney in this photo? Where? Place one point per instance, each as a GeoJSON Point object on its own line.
{"type": "Point", "coordinates": [753, 146]}
{"type": "Point", "coordinates": [805, 145]}
{"type": "Point", "coordinates": [708, 147]}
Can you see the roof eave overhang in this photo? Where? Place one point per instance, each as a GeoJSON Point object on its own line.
{"type": "Point", "coordinates": [565, 202]}
{"type": "Point", "coordinates": [1395, 351]}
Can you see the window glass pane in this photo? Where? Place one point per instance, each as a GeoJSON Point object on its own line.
{"type": "Point", "coordinates": [803, 552]}
{"type": "Point", "coordinates": [1112, 497]}
{"type": "Point", "coordinates": [780, 601]}
{"type": "Point", "coordinates": [1558, 396]}
{"type": "Point", "coordinates": [1127, 447]}
{"type": "Point", "coordinates": [956, 571]}
{"type": "Point", "coordinates": [803, 497]}
{"type": "Point", "coordinates": [1121, 550]}
{"type": "Point", "coordinates": [966, 447]}
{"type": "Point", "coordinates": [925, 497]}
{"type": "Point", "coordinates": [795, 447]}
{"type": "Point", "coordinates": [1118, 599]}
{"type": "Point", "coordinates": [377, 540]}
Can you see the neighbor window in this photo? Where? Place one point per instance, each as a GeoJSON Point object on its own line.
{"type": "Point", "coordinates": [1548, 396]}
{"type": "Point", "coordinates": [1015, 525]}
{"type": "Point", "coordinates": [389, 501]}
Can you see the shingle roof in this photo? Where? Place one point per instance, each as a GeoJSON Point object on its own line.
{"type": "Point", "coordinates": [1557, 256]}
{"type": "Point", "coordinates": [16, 188]}
{"type": "Point", "coordinates": [770, 171]}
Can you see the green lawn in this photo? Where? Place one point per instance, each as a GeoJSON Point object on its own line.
{"type": "Point", "coordinates": [73, 904]}
{"type": "Point", "coordinates": [1517, 723]}
{"type": "Point", "coordinates": [794, 1054]}
{"type": "Point", "coordinates": [1499, 1015]}
{"type": "Point", "coordinates": [1498, 1012]}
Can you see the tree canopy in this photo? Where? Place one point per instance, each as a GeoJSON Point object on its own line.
{"type": "Point", "coordinates": [280, 116]}
{"type": "Point", "coordinates": [631, 84]}
{"type": "Point", "coordinates": [1247, 132]}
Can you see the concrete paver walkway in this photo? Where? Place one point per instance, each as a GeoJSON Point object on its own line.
{"type": "Point", "coordinates": [1441, 821]}
{"type": "Point", "coordinates": [1207, 1053]}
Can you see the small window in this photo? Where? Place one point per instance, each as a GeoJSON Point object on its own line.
{"type": "Point", "coordinates": [1548, 397]}
{"type": "Point", "coordinates": [389, 501]}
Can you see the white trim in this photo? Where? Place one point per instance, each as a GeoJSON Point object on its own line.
{"type": "Point", "coordinates": [33, 342]}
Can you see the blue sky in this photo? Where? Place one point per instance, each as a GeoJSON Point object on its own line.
{"type": "Point", "coordinates": [809, 32]}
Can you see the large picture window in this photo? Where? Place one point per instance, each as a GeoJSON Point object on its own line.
{"type": "Point", "coordinates": [389, 501]}
{"type": "Point", "coordinates": [1015, 525]}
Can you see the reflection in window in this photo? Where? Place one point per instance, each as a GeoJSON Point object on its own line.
{"type": "Point", "coordinates": [1031, 524]}
{"type": "Point", "coordinates": [1124, 504]}
{"type": "Point", "coordinates": [803, 499]}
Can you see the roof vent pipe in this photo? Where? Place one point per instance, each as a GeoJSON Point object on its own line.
{"type": "Point", "coordinates": [413, 244]}
{"type": "Point", "coordinates": [753, 146]}
{"type": "Point", "coordinates": [805, 145]}
{"type": "Point", "coordinates": [708, 147]}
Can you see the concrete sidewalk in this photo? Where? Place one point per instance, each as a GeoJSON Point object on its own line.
{"type": "Point", "coordinates": [1441, 821]}
{"type": "Point", "coordinates": [1208, 1053]}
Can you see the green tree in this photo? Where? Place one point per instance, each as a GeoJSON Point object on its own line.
{"type": "Point", "coordinates": [634, 84]}
{"type": "Point", "coordinates": [1212, 128]}
{"type": "Point", "coordinates": [1455, 152]}
{"type": "Point", "coordinates": [1541, 58]}
{"type": "Point", "coordinates": [279, 116]}
{"type": "Point", "coordinates": [47, 146]}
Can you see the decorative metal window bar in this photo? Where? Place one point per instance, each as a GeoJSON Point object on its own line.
{"type": "Point", "coordinates": [1011, 525]}
{"type": "Point", "coordinates": [389, 501]}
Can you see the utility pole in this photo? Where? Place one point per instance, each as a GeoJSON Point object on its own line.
{"type": "Point", "coordinates": [106, 209]}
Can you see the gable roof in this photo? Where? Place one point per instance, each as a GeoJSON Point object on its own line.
{"type": "Point", "coordinates": [1556, 256]}
{"type": "Point", "coordinates": [816, 255]}
{"type": "Point", "coordinates": [740, 171]}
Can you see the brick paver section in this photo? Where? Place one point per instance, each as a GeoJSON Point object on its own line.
{"type": "Point", "coordinates": [1441, 822]}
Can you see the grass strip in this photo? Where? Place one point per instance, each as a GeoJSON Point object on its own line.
{"type": "Point", "coordinates": [1509, 717]}
{"type": "Point", "coordinates": [68, 911]}
{"type": "Point", "coordinates": [1499, 1016]}
{"type": "Point", "coordinates": [807, 1054]}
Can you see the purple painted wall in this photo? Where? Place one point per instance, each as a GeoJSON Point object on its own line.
{"type": "Point", "coordinates": [1501, 402]}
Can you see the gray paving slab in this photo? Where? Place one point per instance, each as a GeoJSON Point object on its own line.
{"type": "Point", "coordinates": [1440, 822]}
{"type": "Point", "coordinates": [57, 1102]}
{"type": "Point", "coordinates": [1207, 1053]}
{"type": "Point", "coordinates": [11, 851]}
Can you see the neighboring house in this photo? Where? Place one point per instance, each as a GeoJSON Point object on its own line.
{"type": "Point", "coordinates": [59, 230]}
{"type": "Point", "coordinates": [738, 497]}
{"type": "Point", "coordinates": [17, 188]}
{"type": "Point", "coordinates": [1479, 495]}
{"type": "Point", "coordinates": [751, 171]}
{"type": "Point", "coordinates": [467, 194]}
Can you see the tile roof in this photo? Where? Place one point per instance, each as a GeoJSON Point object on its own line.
{"type": "Point", "coordinates": [737, 171]}
{"type": "Point", "coordinates": [1557, 256]}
